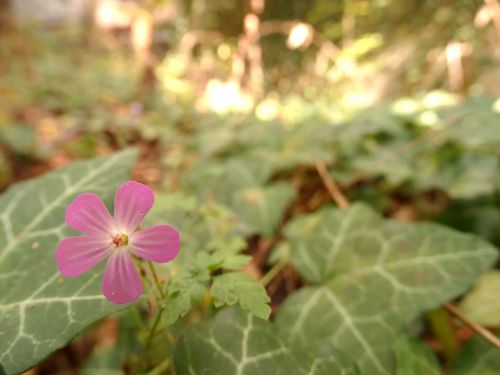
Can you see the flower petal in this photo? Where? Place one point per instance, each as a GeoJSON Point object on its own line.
{"type": "Point", "coordinates": [159, 243]}
{"type": "Point", "coordinates": [76, 255]}
{"type": "Point", "coordinates": [88, 214]}
{"type": "Point", "coordinates": [121, 282]}
{"type": "Point", "coordinates": [133, 201]}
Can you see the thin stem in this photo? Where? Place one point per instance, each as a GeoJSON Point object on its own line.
{"type": "Point", "coordinates": [161, 309]}
{"type": "Point", "coordinates": [152, 331]}
{"type": "Point", "coordinates": [487, 335]}
{"type": "Point", "coordinates": [136, 315]}
{"type": "Point", "coordinates": [332, 187]}
{"type": "Point", "coordinates": [160, 369]}
{"type": "Point", "coordinates": [156, 280]}
{"type": "Point", "coordinates": [271, 274]}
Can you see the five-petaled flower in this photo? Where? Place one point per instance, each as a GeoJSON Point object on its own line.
{"type": "Point", "coordinates": [116, 238]}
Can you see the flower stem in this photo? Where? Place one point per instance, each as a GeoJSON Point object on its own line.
{"type": "Point", "coordinates": [154, 327]}
{"type": "Point", "coordinates": [161, 293]}
{"type": "Point", "coordinates": [156, 280]}
{"type": "Point", "coordinates": [136, 315]}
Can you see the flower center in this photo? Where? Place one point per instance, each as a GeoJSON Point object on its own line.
{"type": "Point", "coordinates": [120, 239]}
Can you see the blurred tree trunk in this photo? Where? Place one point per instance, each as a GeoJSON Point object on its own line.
{"type": "Point", "coordinates": [5, 15]}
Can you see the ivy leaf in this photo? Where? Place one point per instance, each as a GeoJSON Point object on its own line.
{"type": "Point", "coordinates": [375, 276]}
{"type": "Point", "coordinates": [481, 304]}
{"type": "Point", "coordinates": [262, 208]}
{"type": "Point", "coordinates": [240, 184]}
{"type": "Point", "coordinates": [414, 358]}
{"type": "Point", "coordinates": [106, 361]}
{"type": "Point", "coordinates": [236, 287]}
{"type": "Point", "coordinates": [237, 343]}
{"type": "Point", "coordinates": [40, 311]}
{"type": "Point", "coordinates": [477, 357]}
{"type": "Point", "coordinates": [478, 126]}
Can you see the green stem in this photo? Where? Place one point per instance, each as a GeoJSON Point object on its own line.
{"type": "Point", "coordinates": [271, 274]}
{"type": "Point", "coordinates": [156, 280]}
{"type": "Point", "coordinates": [154, 327]}
{"type": "Point", "coordinates": [136, 315]}
{"type": "Point", "coordinates": [160, 369]}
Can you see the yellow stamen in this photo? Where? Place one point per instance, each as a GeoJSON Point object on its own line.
{"type": "Point", "coordinates": [120, 239]}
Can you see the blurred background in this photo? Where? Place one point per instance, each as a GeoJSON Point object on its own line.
{"type": "Point", "coordinates": [83, 77]}
{"type": "Point", "coordinates": [400, 98]}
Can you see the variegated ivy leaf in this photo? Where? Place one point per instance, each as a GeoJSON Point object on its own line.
{"type": "Point", "coordinates": [40, 311]}
{"type": "Point", "coordinates": [241, 185]}
{"type": "Point", "coordinates": [375, 276]}
{"type": "Point", "coordinates": [262, 208]}
{"type": "Point", "coordinates": [238, 343]}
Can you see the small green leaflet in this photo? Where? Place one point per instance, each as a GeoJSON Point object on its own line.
{"type": "Point", "coordinates": [375, 276]}
{"type": "Point", "coordinates": [238, 343]}
{"type": "Point", "coordinates": [236, 287]}
{"type": "Point", "coordinates": [40, 311]}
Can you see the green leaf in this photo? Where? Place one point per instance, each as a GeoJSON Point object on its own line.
{"type": "Point", "coordinates": [222, 179]}
{"type": "Point", "coordinates": [186, 287]}
{"type": "Point", "coordinates": [465, 175]}
{"type": "Point", "coordinates": [262, 208]}
{"type": "Point", "coordinates": [40, 310]}
{"type": "Point", "coordinates": [106, 361]}
{"type": "Point", "coordinates": [414, 358]}
{"type": "Point", "coordinates": [478, 357]}
{"type": "Point", "coordinates": [478, 126]}
{"type": "Point", "coordinates": [236, 287]}
{"type": "Point", "coordinates": [375, 277]}
{"type": "Point", "coordinates": [240, 184]}
{"type": "Point", "coordinates": [239, 344]}
{"type": "Point", "coordinates": [177, 304]}
{"type": "Point", "coordinates": [482, 304]}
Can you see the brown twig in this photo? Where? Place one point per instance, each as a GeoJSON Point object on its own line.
{"type": "Point", "coordinates": [332, 187]}
{"type": "Point", "coordinates": [487, 335]}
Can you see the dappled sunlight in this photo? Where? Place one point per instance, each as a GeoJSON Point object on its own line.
{"type": "Point", "coordinates": [225, 97]}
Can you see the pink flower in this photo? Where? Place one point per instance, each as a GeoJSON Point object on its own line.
{"type": "Point", "coordinates": [115, 238]}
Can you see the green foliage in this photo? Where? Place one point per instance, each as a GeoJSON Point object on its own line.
{"type": "Point", "coordinates": [414, 358]}
{"type": "Point", "coordinates": [105, 361]}
{"type": "Point", "coordinates": [478, 357]}
{"type": "Point", "coordinates": [234, 287]}
{"type": "Point", "coordinates": [408, 267]}
{"type": "Point", "coordinates": [40, 311]}
{"type": "Point", "coordinates": [211, 243]}
{"type": "Point", "coordinates": [241, 185]}
{"type": "Point", "coordinates": [242, 178]}
{"type": "Point", "coordinates": [238, 343]}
